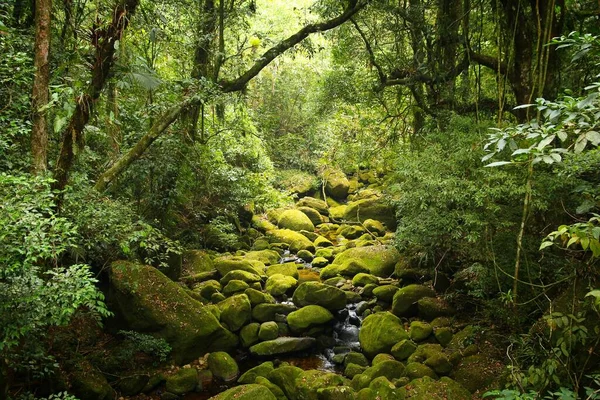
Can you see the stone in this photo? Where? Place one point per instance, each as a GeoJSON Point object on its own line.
{"type": "Point", "coordinates": [382, 357]}
{"type": "Point", "coordinates": [336, 393]}
{"type": "Point", "coordinates": [260, 370]}
{"type": "Point", "coordinates": [223, 366]}
{"type": "Point", "coordinates": [217, 297]}
{"type": "Point", "coordinates": [276, 390]}
{"type": "Point", "coordinates": [279, 284]}
{"type": "Point", "coordinates": [374, 226]}
{"type": "Point", "coordinates": [315, 204]}
{"type": "Point", "coordinates": [385, 293]}
{"type": "Point", "coordinates": [326, 253]}
{"type": "Point", "coordinates": [356, 358]}
{"type": "Point", "coordinates": [349, 269]}
{"type": "Point", "coordinates": [380, 332]}
{"type": "Point", "coordinates": [443, 335]}
{"type": "Point", "coordinates": [89, 383]}
{"type": "Point", "coordinates": [415, 370]}
{"type": "Point", "coordinates": [378, 260]}
{"type": "Point", "coordinates": [338, 212]}
{"type": "Point", "coordinates": [235, 286]}
{"type": "Point", "coordinates": [405, 299]}
{"type": "Point", "coordinates": [133, 384]}
{"type": "Point", "coordinates": [267, 257]}
{"type": "Point", "coordinates": [249, 334]}
{"type": "Point", "coordinates": [391, 369]}
{"type": "Point", "coordinates": [236, 311]}
{"type": "Point", "coordinates": [363, 279]}
{"type": "Point", "coordinates": [309, 382]}
{"type": "Point", "coordinates": [228, 264]}
{"type": "Point", "coordinates": [257, 297]}
{"type": "Point", "coordinates": [295, 220]}
{"type": "Point", "coordinates": [246, 392]}
{"type": "Point", "coordinates": [307, 317]}
{"type": "Point", "coordinates": [477, 372]}
{"type": "Point", "coordinates": [207, 288]}
{"type": "Point", "coordinates": [295, 240]}
{"type": "Point", "coordinates": [403, 349]}
{"type": "Point", "coordinates": [384, 389]}
{"type": "Point", "coordinates": [440, 363]}
{"type": "Point", "coordinates": [420, 331]}
{"type": "Point", "coordinates": [320, 262]}
{"type": "Point", "coordinates": [148, 301]}
{"type": "Point", "coordinates": [351, 231]}
{"type": "Point", "coordinates": [268, 331]}
{"type": "Point", "coordinates": [316, 293]}
{"type": "Point", "coordinates": [372, 208]}
{"type": "Point", "coordinates": [430, 308]}
{"type": "Point", "coordinates": [352, 370]}
{"type": "Point", "coordinates": [305, 255]}
{"type": "Point", "coordinates": [313, 215]}
{"type": "Point", "coordinates": [322, 242]}
{"type": "Point", "coordinates": [262, 224]}
{"type": "Point", "coordinates": [267, 312]}
{"type": "Point", "coordinates": [428, 388]}
{"type": "Point", "coordinates": [285, 378]}
{"type": "Point", "coordinates": [282, 345]}
{"type": "Point", "coordinates": [196, 262]}
{"type": "Point", "coordinates": [287, 269]}
{"type": "Point", "coordinates": [183, 381]}
{"type": "Point", "coordinates": [238, 275]}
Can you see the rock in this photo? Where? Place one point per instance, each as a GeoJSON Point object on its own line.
{"type": "Point", "coordinates": [309, 235]}
{"type": "Point", "coordinates": [381, 357]}
{"type": "Point", "coordinates": [403, 349]}
{"type": "Point", "coordinates": [296, 181]}
{"type": "Point", "coordinates": [477, 372]}
{"type": "Point", "coordinates": [154, 381]}
{"type": "Point", "coordinates": [353, 369]}
{"type": "Point", "coordinates": [391, 369]}
{"type": "Point", "coordinates": [352, 297]}
{"type": "Point", "coordinates": [379, 260]}
{"type": "Point", "coordinates": [384, 389]}
{"type": "Point", "coordinates": [282, 345]}
{"type": "Point", "coordinates": [279, 284]}
{"type": "Point", "coordinates": [217, 297]}
{"type": "Point", "coordinates": [375, 227]}
{"type": "Point", "coordinates": [268, 331]}
{"type": "Point", "coordinates": [168, 396]}
{"type": "Point", "coordinates": [338, 212]}
{"type": "Point", "coordinates": [372, 208]}
{"type": "Point", "coordinates": [313, 203]}
{"type": "Point", "coordinates": [316, 293]}
{"type": "Point", "coordinates": [295, 240]}
{"type": "Point", "coordinates": [267, 257]}
{"type": "Point", "coordinates": [380, 332]}
{"type": "Point", "coordinates": [305, 255]}
{"type": "Point", "coordinates": [262, 224]}
{"type": "Point", "coordinates": [239, 275]}
{"type": "Point", "coordinates": [385, 293]}
{"type": "Point", "coordinates": [427, 388]}
{"type": "Point", "coordinates": [207, 288]}
{"type": "Point", "coordinates": [336, 183]}
{"type": "Point", "coordinates": [132, 385]}
{"type": "Point", "coordinates": [337, 393]}
{"type": "Point", "coordinates": [89, 383]}
{"type": "Point", "coordinates": [276, 390]}
{"type": "Point", "coordinates": [249, 334]}
{"type": "Point", "coordinates": [356, 358]}
{"type": "Point", "coordinates": [313, 215]}
{"type": "Point", "coordinates": [415, 370]}
{"type": "Point", "coordinates": [405, 299]}
{"type": "Point", "coordinates": [260, 370]}
{"type": "Point", "coordinates": [246, 392]}
{"type": "Point", "coordinates": [235, 286]}
{"type": "Point", "coordinates": [443, 335]}
{"type": "Point", "coordinates": [431, 308]}
{"type": "Point", "coordinates": [309, 382]}
{"type": "Point", "coordinates": [287, 269]}
{"type": "Point", "coordinates": [196, 262]}
{"type": "Point", "coordinates": [257, 297]}
{"type": "Point", "coordinates": [267, 312]}
{"type": "Point", "coordinates": [261, 244]}
{"type": "Point", "coordinates": [205, 378]}
{"type": "Point", "coordinates": [285, 378]}
{"type": "Point", "coordinates": [307, 317]}
{"type": "Point", "coordinates": [349, 268]}
{"type": "Point", "coordinates": [321, 242]}
{"type": "Point", "coordinates": [409, 273]}
{"type": "Point", "coordinates": [420, 331]}
{"type": "Point", "coordinates": [236, 311]}
{"type": "Point", "coordinates": [463, 339]}
{"type": "Point", "coordinates": [295, 220]}
{"type": "Point", "coordinates": [228, 264]}
{"type": "Point", "coordinates": [362, 279]}
{"type": "Point", "coordinates": [320, 262]}
{"type": "Point", "coordinates": [183, 381]}
{"type": "Point", "coordinates": [424, 351]}
{"type": "Point", "coordinates": [351, 231]}
{"type": "Point", "coordinates": [150, 302]}
{"type": "Point", "coordinates": [223, 366]}
{"type": "Point", "coordinates": [440, 363]}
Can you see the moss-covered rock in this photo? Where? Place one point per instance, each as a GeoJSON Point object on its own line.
{"type": "Point", "coordinates": [282, 345]}
{"type": "Point", "coordinates": [89, 383]}
{"type": "Point", "coordinates": [287, 269]}
{"type": "Point", "coordinates": [150, 302]}
{"type": "Point", "coordinates": [381, 357]}
{"type": "Point", "coordinates": [356, 358]}
{"type": "Point", "coordinates": [207, 288]}
{"type": "Point", "coordinates": [336, 183]}
{"type": "Point", "coordinates": [352, 370]}
{"type": "Point", "coordinates": [379, 260]}
{"type": "Point", "coordinates": [195, 262]}
{"type": "Point", "coordinates": [420, 330]}
{"type": "Point", "coordinates": [443, 335]}
{"type": "Point", "coordinates": [375, 227]}
{"type": "Point", "coordinates": [305, 256]}
{"type": "Point", "coordinates": [405, 299]}
{"type": "Point", "coordinates": [403, 349]}
{"type": "Point", "coordinates": [430, 308]}
{"type": "Point", "coordinates": [267, 312]}
{"type": "Point", "coordinates": [309, 382]}
{"type": "Point", "coordinates": [424, 351]}
{"type": "Point", "coordinates": [133, 384]}
{"type": "Point", "coordinates": [285, 378]}
{"type": "Point", "coordinates": [257, 297]}
{"type": "Point", "coordinates": [183, 381]}
{"type": "Point", "coordinates": [223, 366]}
{"type": "Point", "coordinates": [415, 370]}
{"type": "Point", "coordinates": [477, 372]}
{"type": "Point", "coordinates": [337, 213]}
{"type": "Point", "coordinates": [322, 242]}
{"type": "Point", "coordinates": [249, 334]}
{"type": "Point", "coordinates": [440, 363]}
{"type": "Point", "coordinates": [464, 338]}
{"type": "Point", "coordinates": [320, 262]}
{"type": "Point", "coordinates": [427, 388]}
{"type": "Point", "coordinates": [267, 257]}
{"type": "Point", "coordinates": [246, 392]}
{"type": "Point", "coordinates": [349, 269]}
{"type": "Point", "coordinates": [227, 264]}
{"type": "Point", "coordinates": [262, 224]}
{"type": "Point", "coordinates": [235, 286]}
{"type": "Point", "coordinates": [295, 240]}
{"type": "Point", "coordinates": [384, 389]}
{"type": "Point", "coordinates": [268, 331]}
{"type": "Point", "coordinates": [279, 284]}
{"type": "Point", "coordinates": [316, 293]}
{"type": "Point", "coordinates": [313, 203]}
{"type": "Point", "coordinates": [276, 390]}
{"type": "Point", "coordinates": [295, 220]}
{"type": "Point", "coordinates": [380, 332]}
{"type": "Point", "coordinates": [351, 231]}
{"type": "Point", "coordinates": [391, 369]}
{"type": "Point", "coordinates": [372, 208]}
{"type": "Point", "coordinates": [307, 317]}
{"type": "Point", "coordinates": [313, 215]}
{"type": "Point", "coordinates": [385, 292]}
{"type": "Point", "coordinates": [337, 393]}
{"type": "Point", "coordinates": [363, 279]}
{"type": "Point", "coordinates": [260, 370]}
{"type": "Point", "coordinates": [296, 181]}
{"type": "Point", "coordinates": [236, 311]}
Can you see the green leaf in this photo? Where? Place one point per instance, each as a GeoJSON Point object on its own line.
{"type": "Point", "coordinates": [545, 142]}
{"type": "Point", "coordinates": [593, 137]}
{"type": "Point", "coordinates": [546, 244]}
{"type": "Point", "coordinates": [580, 144]}
{"type": "Point", "coordinates": [498, 163]}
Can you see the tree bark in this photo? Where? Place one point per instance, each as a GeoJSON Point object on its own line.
{"type": "Point", "coordinates": [39, 132]}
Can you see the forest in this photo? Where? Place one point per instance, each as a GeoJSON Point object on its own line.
{"type": "Point", "coordinates": [299, 199]}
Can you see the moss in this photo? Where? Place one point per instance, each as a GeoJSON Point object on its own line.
{"type": "Point", "coordinates": [307, 317]}
{"type": "Point", "coordinates": [382, 357]}
{"type": "Point", "coordinates": [379, 260]}
{"type": "Point", "coordinates": [285, 378]}
{"type": "Point", "coordinates": [424, 351]}
{"type": "Point", "coordinates": [235, 286]}
{"type": "Point", "coordinates": [249, 334]}
{"type": "Point", "coordinates": [279, 284]}
{"type": "Point", "coordinates": [236, 311]}
{"type": "Point", "coordinates": [223, 366]}
{"type": "Point", "coordinates": [305, 255]}
{"type": "Point", "coordinates": [375, 227]}
{"type": "Point", "coordinates": [322, 242]}
{"type": "Point", "coordinates": [295, 220]}
{"type": "Point", "coordinates": [316, 204]}
{"type": "Point", "coordinates": [282, 345]}
{"type": "Point", "coordinates": [266, 312]}
{"type": "Point", "coordinates": [439, 363]}
{"type": "Point", "coordinates": [349, 268]}
{"type": "Point", "coordinates": [312, 214]}
{"type": "Point", "coordinates": [295, 240]}
{"type": "Point", "coordinates": [427, 388]}
{"type": "Point", "coordinates": [379, 332]}
{"type": "Point", "coordinates": [385, 293]}
{"type": "Point", "coordinates": [245, 276]}
{"type": "Point", "coordinates": [352, 370]}
{"type": "Point", "coordinates": [326, 253]}
{"type": "Point", "coordinates": [337, 393]}
{"type": "Point", "coordinates": [268, 331]}
{"type": "Point", "coordinates": [228, 264]}
{"type": "Point", "coordinates": [89, 383]}
{"type": "Point", "coordinates": [273, 388]}
{"type": "Point", "coordinates": [416, 370]}
{"type": "Point", "coordinates": [384, 389]}
{"type": "Point", "coordinates": [316, 293]}
{"type": "Point", "coordinates": [391, 369]}
{"type": "Point", "coordinates": [372, 208]}
{"type": "Point", "coordinates": [351, 231]}
{"type": "Point", "coordinates": [257, 297]}
{"type": "Point", "coordinates": [183, 381]}
{"type": "Point", "coordinates": [288, 269]}
{"type": "Point", "coordinates": [405, 299]}
{"type": "Point", "coordinates": [477, 372]}
{"type": "Point", "coordinates": [431, 308]}
{"type": "Point", "coordinates": [267, 257]}
{"type": "Point", "coordinates": [195, 262]}
{"type": "Point", "coordinates": [338, 212]}
{"type": "Point", "coordinates": [363, 279]}
{"type": "Point", "coordinates": [356, 358]}
{"type": "Point", "coordinates": [246, 392]}
{"type": "Point", "coordinates": [260, 370]}
{"type": "Point", "coordinates": [262, 224]}
{"type": "Point", "coordinates": [420, 331]}
{"type": "Point", "coordinates": [309, 382]}
{"type": "Point", "coordinates": [403, 349]}
{"type": "Point", "coordinates": [320, 262]}
{"type": "Point", "coordinates": [443, 335]}
{"type": "Point", "coordinates": [207, 288]}
{"type": "Point", "coordinates": [336, 183]}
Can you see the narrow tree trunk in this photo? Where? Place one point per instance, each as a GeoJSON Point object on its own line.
{"type": "Point", "coordinates": [39, 132]}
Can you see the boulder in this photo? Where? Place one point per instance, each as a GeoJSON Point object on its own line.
{"type": "Point", "coordinates": [257, 297]}
{"type": "Point", "coordinates": [285, 378]}
{"type": "Point", "coordinates": [371, 208]}
{"type": "Point", "coordinates": [363, 279]}
{"type": "Point", "coordinates": [338, 213]}
{"type": "Point", "coordinates": [288, 269]}
{"type": "Point", "coordinates": [268, 331]}
{"type": "Point", "coordinates": [260, 370]}
{"type": "Point", "coordinates": [312, 214]}
{"type": "Point", "coordinates": [183, 381]}
{"type": "Point", "coordinates": [307, 317]}
{"type": "Point", "coordinates": [227, 264]}
{"type": "Point", "coordinates": [391, 369]}
{"type": "Point", "coordinates": [89, 383]}
{"type": "Point", "coordinates": [223, 366]}
{"type": "Point", "coordinates": [309, 382]}
{"type": "Point", "coordinates": [443, 335]}
{"type": "Point", "coordinates": [246, 392]}
{"type": "Point", "coordinates": [430, 308]}
{"type": "Point", "coordinates": [196, 262]}
{"type": "Point", "coordinates": [262, 224]}
{"type": "Point", "coordinates": [295, 220]}
{"type": "Point", "coordinates": [305, 256]}
{"type": "Point", "coordinates": [236, 311]}
{"type": "Point", "coordinates": [337, 393]}
{"type": "Point", "coordinates": [249, 334]}
{"type": "Point", "coordinates": [295, 240]}
{"type": "Point", "coordinates": [380, 332]}
{"type": "Point", "coordinates": [379, 260]}
{"type": "Point", "coordinates": [320, 262]}
{"type": "Point", "coordinates": [349, 269]}
{"type": "Point", "coordinates": [268, 312]}
{"type": "Point", "coordinates": [148, 301]}
{"type": "Point", "coordinates": [267, 257]}
{"type": "Point", "coordinates": [279, 284]}
{"type": "Point", "coordinates": [477, 372]}
{"type": "Point", "coordinates": [235, 286]}
{"type": "Point", "coordinates": [403, 349]}
{"type": "Point", "coordinates": [375, 227]}
{"type": "Point", "coordinates": [321, 242]}
{"type": "Point", "coordinates": [317, 293]}
{"type": "Point", "coordinates": [405, 299]}
{"type": "Point", "coordinates": [385, 292]}
{"type": "Point", "coordinates": [336, 183]}
{"type": "Point", "coordinates": [420, 330]}
{"type": "Point", "coordinates": [415, 370]}
{"type": "Point", "coordinates": [427, 388]}
{"type": "Point", "coordinates": [282, 345]}
{"type": "Point", "coordinates": [207, 288]}
{"type": "Point", "coordinates": [317, 204]}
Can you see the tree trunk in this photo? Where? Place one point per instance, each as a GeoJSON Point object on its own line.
{"type": "Point", "coordinates": [39, 132]}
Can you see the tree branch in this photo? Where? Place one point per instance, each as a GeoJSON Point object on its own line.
{"type": "Point", "coordinates": [382, 76]}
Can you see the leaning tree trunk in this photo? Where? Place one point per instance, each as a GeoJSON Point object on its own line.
{"type": "Point", "coordinates": [39, 132]}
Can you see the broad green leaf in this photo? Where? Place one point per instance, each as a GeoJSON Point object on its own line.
{"type": "Point", "coordinates": [545, 142]}
{"type": "Point", "coordinates": [546, 244]}
{"type": "Point", "coordinates": [498, 163]}
{"type": "Point", "coordinates": [593, 137]}
{"type": "Point", "coordinates": [580, 144]}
